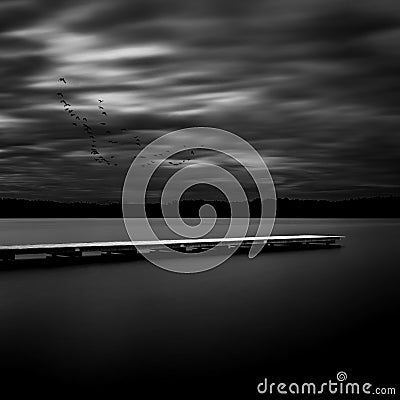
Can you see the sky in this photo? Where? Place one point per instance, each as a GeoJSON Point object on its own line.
{"type": "Point", "coordinates": [313, 85]}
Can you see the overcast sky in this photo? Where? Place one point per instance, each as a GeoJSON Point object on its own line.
{"type": "Point", "coordinates": [313, 85]}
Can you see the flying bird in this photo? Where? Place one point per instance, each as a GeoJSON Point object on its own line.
{"type": "Point", "coordinates": [62, 80]}
{"type": "Point", "coordinates": [104, 113]}
{"type": "Point", "coordinates": [100, 101]}
{"type": "Point", "coordinates": [74, 123]}
{"type": "Point", "coordinates": [60, 94]}
{"type": "Point", "coordinates": [84, 119]}
{"type": "Point", "coordinates": [102, 123]}
{"type": "Point", "coordinates": [101, 108]}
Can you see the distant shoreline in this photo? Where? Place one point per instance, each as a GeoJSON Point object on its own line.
{"type": "Point", "coordinates": [369, 207]}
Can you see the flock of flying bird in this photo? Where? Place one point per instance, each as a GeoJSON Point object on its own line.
{"type": "Point", "coordinates": [82, 121]}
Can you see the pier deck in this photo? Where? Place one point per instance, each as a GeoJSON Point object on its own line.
{"type": "Point", "coordinates": [10, 252]}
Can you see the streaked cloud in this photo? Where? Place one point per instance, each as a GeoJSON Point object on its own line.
{"type": "Point", "coordinates": [312, 84]}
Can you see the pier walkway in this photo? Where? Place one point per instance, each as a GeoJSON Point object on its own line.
{"type": "Point", "coordinates": [11, 252]}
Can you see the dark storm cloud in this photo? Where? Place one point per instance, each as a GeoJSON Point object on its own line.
{"type": "Point", "coordinates": [313, 85]}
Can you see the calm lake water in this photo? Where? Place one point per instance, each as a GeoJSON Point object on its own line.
{"type": "Point", "coordinates": [295, 316]}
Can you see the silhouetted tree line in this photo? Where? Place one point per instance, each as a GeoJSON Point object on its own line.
{"type": "Point", "coordinates": [368, 207]}
{"type": "Point", "coordinates": [21, 208]}
{"type": "Point", "coordinates": [373, 207]}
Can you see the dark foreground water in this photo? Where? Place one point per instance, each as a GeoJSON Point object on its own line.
{"type": "Point", "coordinates": [298, 316]}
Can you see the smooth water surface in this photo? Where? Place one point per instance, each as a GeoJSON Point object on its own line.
{"type": "Point", "coordinates": [288, 316]}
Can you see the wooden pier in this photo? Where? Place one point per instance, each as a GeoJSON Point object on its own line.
{"type": "Point", "coordinates": [132, 248]}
